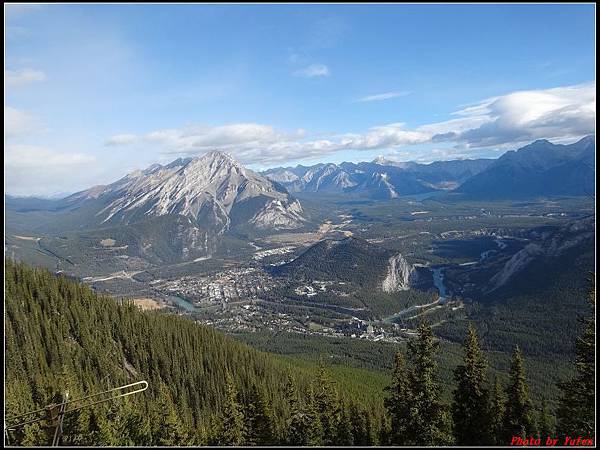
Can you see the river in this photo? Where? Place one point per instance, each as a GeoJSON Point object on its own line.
{"type": "Point", "coordinates": [183, 303]}
{"type": "Point", "coordinates": [438, 281]}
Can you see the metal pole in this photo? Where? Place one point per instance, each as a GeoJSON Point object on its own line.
{"type": "Point", "coordinates": [59, 429]}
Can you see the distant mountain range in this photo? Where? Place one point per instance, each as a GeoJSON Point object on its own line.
{"type": "Point", "coordinates": [538, 169]}
{"type": "Point", "coordinates": [379, 179]}
{"type": "Point", "coordinates": [181, 210]}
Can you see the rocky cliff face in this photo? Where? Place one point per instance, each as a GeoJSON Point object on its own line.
{"type": "Point", "coordinates": [518, 262]}
{"type": "Point", "coordinates": [550, 245]}
{"type": "Point", "coordinates": [279, 215]}
{"type": "Point", "coordinates": [400, 275]}
{"type": "Point", "coordinates": [207, 189]}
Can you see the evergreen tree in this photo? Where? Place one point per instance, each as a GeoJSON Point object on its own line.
{"type": "Point", "coordinates": [429, 422]}
{"type": "Point", "coordinates": [576, 411]}
{"type": "Point", "coordinates": [304, 426]}
{"type": "Point", "coordinates": [134, 425]}
{"type": "Point", "coordinates": [470, 411]}
{"type": "Point", "coordinates": [211, 433]}
{"type": "Point", "coordinates": [293, 425]}
{"type": "Point", "coordinates": [33, 435]}
{"type": "Point", "coordinates": [497, 410]}
{"type": "Point", "coordinates": [233, 428]}
{"type": "Point", "coordinates": [373, 428]}
{"type": "Point", "coordinates": [518, 418]}
{"type": "Point", "coordinates": [344, 435]}
{"type": "Point", "coordinates": [102, 429]}
{"type": "Point", "coordinates": [358, 419]}
{"type": "Point", "coordinates": [60, 334]}
{"type": "Point", "coordinates": [545, 421]}
{"type": "Point", "coordinates": [398, 403]}
{"type": "Point", "coordinates": [259, 418]}
{"type": "Point", "coordinates": [311, 421]}
{"type": "Point", "coordinates": [326, 404]}
{"type": "Point", "coordinates": [385, 430]}
{"type": "Point", "coordinates": [171, 430]}
{"type": "Point", "coordinates": [202, 436]}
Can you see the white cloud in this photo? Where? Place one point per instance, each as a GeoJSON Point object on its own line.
{"type": "Point", "coordinates": [384, 96]}
{"type": "Point", "coordinates": [30, 156]}
{"type": "Point", "coordinates": [225, 136]}
{"type": "Point", "coordinates": [121, 139]}
{"type": "Point", "coordinates": [17, 78]}
{"type": "Point", "coordinates": [314, 70]}
{"type": "Point", "coordinates": [495, 123]}
{"type": "Point", "coordinates": [522, 116]}
{"type": "Point", "coordinates": [386, 136]}
{"type": "Point", "coordinates": [257, 143]}
{"type": "Point", "coordinates": [18, 123]}
{"type": "Point", "coordinates": [33, 170]}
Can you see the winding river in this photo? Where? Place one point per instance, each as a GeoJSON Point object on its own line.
{"type": "Point", "coordinates": [438, 281]}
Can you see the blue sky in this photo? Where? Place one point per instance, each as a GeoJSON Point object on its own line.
{"type": "Point", "coordinates": [93, 92]}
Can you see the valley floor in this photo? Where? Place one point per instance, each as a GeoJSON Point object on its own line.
{"type": "Point", "coordinates": [455, 248]}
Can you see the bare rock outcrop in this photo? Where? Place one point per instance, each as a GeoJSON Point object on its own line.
{"type": "Point", "coordinates": [400, 275]}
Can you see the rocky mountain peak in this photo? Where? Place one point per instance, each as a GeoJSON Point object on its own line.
{"type": "Point", "coordinates": [206, 187]}
{"type": "Point", "coordinates": [218, 157]}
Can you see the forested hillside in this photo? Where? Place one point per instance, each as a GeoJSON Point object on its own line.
{"type": "Point", "coordinates": [206, 388]}
{"type": "Point", "coordinates": [61, 336]}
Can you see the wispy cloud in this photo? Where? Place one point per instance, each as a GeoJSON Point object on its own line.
{"type": "Point", "coordinates": [16, 78]}
{"type": "Point", "coordinates": [313, 70]}
{"type": "Point", "coordinates": [40, 171]}
{"type": "Point", "coordinates": [28, 156]}
{"type": "Point", "coordinates": [297, 58]}
{"type": "Point", "coordinates": [323, 33]}
{"type": "Point", "coordinates": [121, 139]}
{"type": "Point", "coordinates": [19, 123]}
{"type": "Point", "coordinates": [383, 96]}
{"type": "Point", "coordinates": [258, 143]}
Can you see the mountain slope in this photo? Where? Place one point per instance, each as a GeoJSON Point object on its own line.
{"type": "Point", "coordinates": [545, 253]}
{"type": "Point", "coordinates": [206, 189]}
{"type": "Point", "coordinates": [170, 213]}
{"type": "Point", "coordinates": [351, 260]}
{"type": "Point", "coordinates": [574, 237]}
{"type": "Point", "coordinates": [538, 169]}
{"type": "Point", "coordinates": [61, 335]}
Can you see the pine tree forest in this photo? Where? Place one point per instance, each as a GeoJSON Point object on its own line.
{"type": "Point", "coordinates": [205, 388]}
